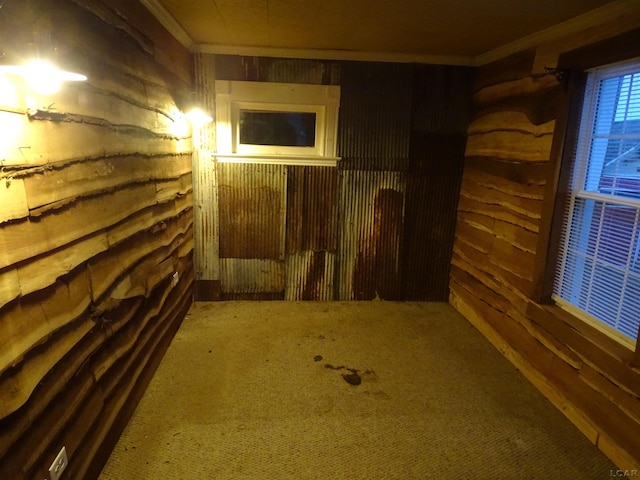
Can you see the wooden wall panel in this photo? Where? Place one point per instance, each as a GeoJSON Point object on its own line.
{"type": "Point", "coordinates": [495, 258]}
{"type": "Point", "coordinates": [96, 229]}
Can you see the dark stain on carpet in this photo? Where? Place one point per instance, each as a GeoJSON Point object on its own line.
{"type": "Point", "coordinates": [352, 378]}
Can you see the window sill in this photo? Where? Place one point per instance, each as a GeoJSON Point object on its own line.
{"type": "Point", "coordinates": [303, 160]}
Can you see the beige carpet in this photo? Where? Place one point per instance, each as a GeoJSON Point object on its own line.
{"type": "Point", "coordinates": [269, 390]}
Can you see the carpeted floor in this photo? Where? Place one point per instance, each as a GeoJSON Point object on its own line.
{"type": "Point", "coordinates": [343, 390]}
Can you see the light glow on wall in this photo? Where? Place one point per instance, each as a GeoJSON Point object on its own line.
{"type": "Point", "coordinates": [43, 77]}
{"type": "Point", "coordinates": [180, 126]}
{"type": "Point", "coordinates": [11, 98]}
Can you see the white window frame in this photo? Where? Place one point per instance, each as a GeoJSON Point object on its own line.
{"type": "Point", "coordinates": [234, 96]}
{"type": "Point", "coordinates": [584, 188]}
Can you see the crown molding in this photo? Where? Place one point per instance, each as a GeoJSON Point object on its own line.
{"type": "Point", "coordinates": [168, 21]}
{"type": "Point", "coordinates": [592, 18]}
{"type": "Point", "coordinates": [347, 55]}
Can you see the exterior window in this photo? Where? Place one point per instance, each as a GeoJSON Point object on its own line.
{"type": "Point", "coordinates": [599, 268]}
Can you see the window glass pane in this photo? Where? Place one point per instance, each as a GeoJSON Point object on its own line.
{"type": "Point", "coordinates": [629, 100]}
{"type": "Point", "coordinates": [291, 129]}
{"type": "Point", "coordinates": [614, 158]}
{"type": "Point", "coordinates": [598, 158]}
{"type": "Point", "coordinates": [599, 268]}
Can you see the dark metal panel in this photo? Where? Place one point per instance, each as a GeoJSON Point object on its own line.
{"type": "Point", "coordinates": [375, 116]}
{"type": "Point", "coordinates": [440, 116]}
{"type": "Point", "coordinates": [432, 198]}
{"type": "Point", "coordinates": [441, 99]}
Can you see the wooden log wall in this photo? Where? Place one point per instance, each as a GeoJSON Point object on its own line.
{"type": "Point", "coordinates": [95, 221]}
{"type": "Point", "coordinates": [358, 231]}
{"type": "Point", "coordinates": [499, 227]}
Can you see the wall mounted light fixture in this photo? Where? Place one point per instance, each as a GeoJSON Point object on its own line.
{"type": "Point", "coordinates": [198, 117]}
{"type": "Point", "coordinates": [42, 77]}
{"type": "Point", "coordinates": [191, 106]}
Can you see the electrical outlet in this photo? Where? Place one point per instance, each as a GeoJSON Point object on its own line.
{"type": "Point", "coordinates": [174, 279]}
{"type": "Point", "coordinates": [59, 464]}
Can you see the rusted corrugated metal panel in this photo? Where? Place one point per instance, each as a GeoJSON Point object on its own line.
{"type": "Point", "coordinates": [252, 209]}
{"type": "Point", "coordinates": [310, 275]}
{"type": "Point", "coordinates": [311, 208]}
{"type": "Point", "coordinates": [252, 206]}
{"type": "Point", "coordinates": [252, 276]}
{"type": "Point", "coordinates": [311, 232]}
{"type": "Point", "coordinates": [371, 226]}
{"type": "Point", "coordinates": [282, 70]}
{"type": "Point", "coordinates": [375, 116]}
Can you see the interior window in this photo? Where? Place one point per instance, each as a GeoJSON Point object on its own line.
{"type": "Point", "coordinates": [290, 129]}
{"type": "Point", "coordinates": [599, 267]}
{"type": "Point", "coordinates": [276, 123]}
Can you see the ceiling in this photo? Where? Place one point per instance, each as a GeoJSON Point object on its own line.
{"type": "Point", "coordinates": [438, 31]}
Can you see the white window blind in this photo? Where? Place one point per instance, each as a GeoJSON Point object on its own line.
{"type": "Point", "coordinates": [599, 267]}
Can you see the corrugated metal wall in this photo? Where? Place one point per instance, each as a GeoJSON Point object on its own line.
{"type": "Point", "coordinates": [371, 227]}
{"type": "Point", "coordinates": [382, 223]}
{"type": "Point", "coordinates": [374, 127]}
{"type": "Point", "coordinates": [311, 236]}
{"type": "Point", "coordinates": [252, 217]}
{"type": "Point", "coordinates": [205, 186]}
{"type": "Point", "coordinates": [440, 115]}
{"type": "Point", "coordinates": [284, 70]}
